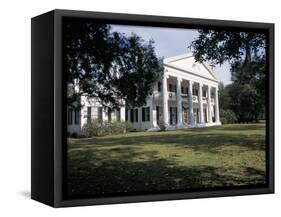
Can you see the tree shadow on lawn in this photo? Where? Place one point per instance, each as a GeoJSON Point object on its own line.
{"type": "Point", "coordinates": [201, 143]}
{"type": "Point", "coordinates": [119, 164]}
{"type": "Point", "coordinates": [114, 175]}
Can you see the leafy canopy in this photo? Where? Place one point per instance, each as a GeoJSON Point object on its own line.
{"type": "Point", "coordinates": [218, 47]}
{"type": "Point", "coordinates": [246, 53]}
{"type": "Point", "coordinates": [108, 65]}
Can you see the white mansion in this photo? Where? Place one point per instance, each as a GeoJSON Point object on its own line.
{"type": "Point", "coordinates": [186, 97]}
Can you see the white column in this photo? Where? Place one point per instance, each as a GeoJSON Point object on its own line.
{"type": "Point", "coordinates": [153, 112]}
{"type": "Point", "coordinates": [122, 113]}
{"type": "Point", "coordinates": [201, 112]}
{"type": "Point", "coordinates": [179, 103]}
{"type": "Point", "coordinates": [190, 96]}
{"type": "Point", "coordinates": [104, 115]}
{"type": "Point", "coordinates": [209, 105]}
{"type": "Point", "coordinates": [165, 100]}
{"type": "Point", "coordinates": [217, 112]}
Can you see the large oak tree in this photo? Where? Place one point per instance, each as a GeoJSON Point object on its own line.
{"type": "Point", "coordinates": [108, 65]}
{"type": "Point", "coordinates": [246, 54]}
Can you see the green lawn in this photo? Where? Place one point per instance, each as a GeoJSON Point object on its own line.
{"type": "Point", "coordinates": [228, 155]}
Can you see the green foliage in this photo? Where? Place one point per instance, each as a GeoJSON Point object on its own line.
{"type": "Point", "coordinates": [97, 128]}
{"type": "Point", "coordinates": [224, 98]}
{"type": "Point", "coordinates": [108, 65]}
{"type": "Point", "coordinates": [227, 117]}
{"type": "Point", "coordinates": [246, 53]}
{"type": "Point", "coordinates": [221, 46]}
{"type": "Point", "coordinates": [245, 102]}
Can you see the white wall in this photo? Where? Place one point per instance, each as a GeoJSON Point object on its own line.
{"type": "Point", "coordinates": [15, 107]}
{"type": "Point", "coordinates": [141, 125]}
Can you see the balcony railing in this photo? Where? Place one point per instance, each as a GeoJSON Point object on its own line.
{"type": "Point", "coordinates": [185, 97]}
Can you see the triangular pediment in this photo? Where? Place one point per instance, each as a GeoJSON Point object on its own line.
{"type": "Point", "coordinates": [187, 63]}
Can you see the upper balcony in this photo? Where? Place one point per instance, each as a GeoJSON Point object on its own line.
{"type": "Point", "coordinates": [173, 97]}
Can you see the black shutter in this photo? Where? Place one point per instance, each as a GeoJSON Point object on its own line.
{"type": "Point", "coordinates": [109, 112]}
{"type": "Point", "coordinates": [132, 115]}
{"type": "Point", "coordinates": [143, 114]}
{"type": "Point", "coordinates": [137, 114]}
{"type": "Point", "coordinates": [89, 114]}
{"type": "Point", "coordinates": [126, 115]}
{"type": "Point", "coordinates": [100, 114]}
{"type": "Point", "coordinates": [176, 114]}
{"type": "Point", "coordinates": [148, 113]}
{"type": "Point", "coordinates": [157, 114]}
{"type": "Point", "coordinates": [69, 116]}
{"type": "Point", "coordinates": [170, 115]}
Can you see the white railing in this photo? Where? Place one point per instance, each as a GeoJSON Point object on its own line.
{"type": "Point", "coordinates": [185, 97]}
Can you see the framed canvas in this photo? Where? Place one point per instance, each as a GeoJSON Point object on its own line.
{"type": "Point", "coordinates": [134, 108]}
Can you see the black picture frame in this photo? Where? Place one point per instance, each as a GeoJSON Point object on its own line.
{"type": "Point", "coordinates": [48, 137]}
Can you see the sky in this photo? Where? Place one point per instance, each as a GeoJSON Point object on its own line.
{"type": "Point", "coordinates": [171, 42]}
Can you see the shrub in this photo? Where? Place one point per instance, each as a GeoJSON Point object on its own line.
{"type": "Point", "coordinates": [227, 117]}
{"type": "Point", "coordinates": [128, 126]}
{"type": "Point", "coordinates": [96, 128]}
{"type": "Point", "coordinates": [74, 135]}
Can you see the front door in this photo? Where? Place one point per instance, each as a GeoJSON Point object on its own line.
{"type": "Point", "coordinates": [173, 115]}
{"type": "Point", "coordinates": [185, 115]}
{"type": "Point", "coordinates": [196, 115]}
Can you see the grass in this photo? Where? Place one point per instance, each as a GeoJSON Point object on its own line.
{"type": "Point", "coordinates": [228, 155]}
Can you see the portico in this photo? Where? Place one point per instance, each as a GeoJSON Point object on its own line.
{"type": "Point", "coordinates": [197, 100]}
{"type": "Point", "coordinates": [186, 98]}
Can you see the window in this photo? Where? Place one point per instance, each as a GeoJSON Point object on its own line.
{"type": "Point", "coordinates": [173, 88]}
{"type": "Point", "coordinates": [184, 90]}
{"type": "Point", "coordinates": [159, 86]}
{"type": "Point", "coordinates": [69, 116]}
{"type": "Point", "coordinates": [145, 114]}
{"type": "Point", "coordinates": [95, 113]}
{"type": "Point", "coordinates": [134, 115]}
{"type": "Point", "coordinates": [170, 87]}
{"type": "Point", "coordinates": [204, 93]}
{"type": "Point", "coordinates": [195, 92]}
{"type": "Point", "coordinates": [77, 116]}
